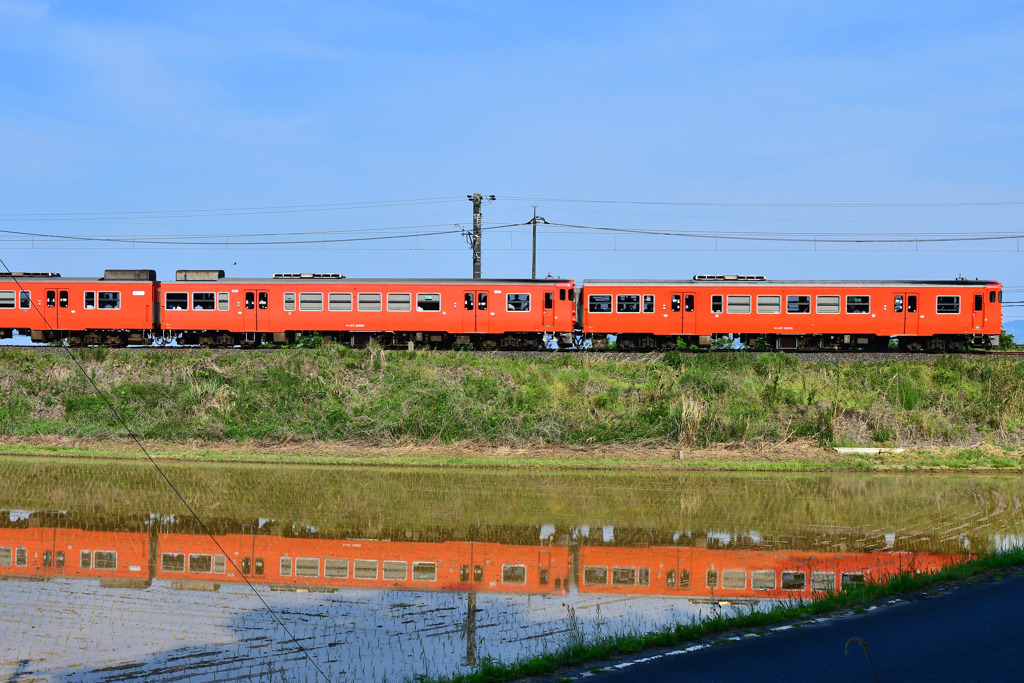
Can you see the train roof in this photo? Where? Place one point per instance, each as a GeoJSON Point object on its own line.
{"type": "Point", "coordinates": [723, 282]}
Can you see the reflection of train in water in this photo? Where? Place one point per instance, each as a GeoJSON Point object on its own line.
{"type": "Point", "coordinates": [135, 558]}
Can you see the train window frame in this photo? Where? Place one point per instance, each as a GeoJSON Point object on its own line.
{"type": "Point", "coordinates": [856, 307]}
{"type": "Point", "coordinates": [335, 568]}
{"type": "Point", "coordinates": [223, 301]}
{"type": "Point", "coordinates": [51, 299]}
{"type": "Point", "coordinates": [418, 569]}
{"type": "Point", "coordinates": [711, 578]}
{"type": "Point", "coordinates": [289, 301]}
{"type": "Point", "coordinates": [428, 302]}
{"type": "Point", "coordinates": [627, 303]}
{"type": "Point", "coordinates": [852, 579]}
{"type": "Point", "coordinates": [561, 294]}
{"type": "Point", "coordinates": [823, 582]}
{"type": "Point", "coordinates": [648, 303]}
{"type": "Point", "coordinates": [337, 302]}
{"type": "Point", "coordinates": [25, 299]}
{"type": "Point", "coordinates": [798, 301]}
{"type": "Point", "coordinates": [258, 566]}
{"type": "Point", "coordinates": [911, 303]}
{"type": "Point", "coordinates": [769, 304]}
{"type": "Point", "coordinates": [304, 565]}
{"type": "Point", "coordinates": [689, 303]}
{"type": "Point", "coordinates": [196, 562]}
{"type": "Point", "coordinates": [759, 579]}
{"type": "Point", "coordinates": [390, 570]}
{"type": "Point", "coordinates": [825, 303]}
{"type": "Point", "coordinates": [6, 556]}
{"type": "Point", "coordinates": [220, 564]}
{"type": "Point", "coordinates": [623, 576]}
{"type": "Point", "coordinates": [897, 303]}
{"type": "Point", "coordinates": [794, 581]}
{"type": "Point", "coordinates": [481, 301]}
{"type": "Point", "coordinates": [992, 296]}
{"type": "Point", "coordinates": [366, 303]}
{"type": "Point", "coordinates": [8, 298]}
{"type": "Point", "coordinates": [21, 556]}
{"type": "Point", "coordinates": [595, 575]}
{"type": "Point", "coordinates": [517, 302]}
{"type": "Point", "coordinates": [513, 574]}
{"type": "Point", "coordinates": [362, 566]}
{"type": "Point", "coordinates": [85, 559]}
{"type": "Point", "coordinates": [717, 304]}
{"type": "Point", "coordinates": [549, 299]}
{"type": "Point", "coordinates": [735, 304]}
{"type": "Point", "coordinates": [179, 298]}
{"type": "Point", "coordinates": [730, 579]}
{"type": "Point", "coordinates": [599, 303]}
{"type": "Point", "coordinates": [643, 576]}
{"type": "Point", "coordinates": [469, 301]}
{"type": "Point", "coordinates": [47, 558]}
{"type": "Point", "coordinates": [311, 301]}
{"type": "Point", "coordinates": [62, 298]}
{"type": "Point", "coordinates": [284, 567]}
{"type": "Point", "coordinates": [395, 303]}
{"type": "Point", "coordinates": [58, 559]}
{"type": "Point", "coordinates": [949, 307]}
{"type": "Point", "coordinates": [208, 302]}
{"type": "Point", "coordinates": [169, 562]}
{"type": "Point", "coordinates": [250, 301]}
{"type": "Point", "coordinates": [104, 560]}
{"type": "Point", "coordinates": [572, 297]}
{"type": "Point", "coordinates": [979, 302]}
{"type": "Point", "coordinates": [264, 301]}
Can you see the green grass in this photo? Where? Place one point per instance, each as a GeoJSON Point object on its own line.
{"type": "Point", "coordinates": [855, 599]}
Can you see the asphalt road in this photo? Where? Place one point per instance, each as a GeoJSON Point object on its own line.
{"type": "Point", "coordinates": [975, 632]}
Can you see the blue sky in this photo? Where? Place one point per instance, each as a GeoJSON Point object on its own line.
{"type": "Point", "coordinates": [134, 107]}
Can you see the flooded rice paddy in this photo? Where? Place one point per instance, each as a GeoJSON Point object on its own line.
{"type": "Point", "coordinates": [374, 574]}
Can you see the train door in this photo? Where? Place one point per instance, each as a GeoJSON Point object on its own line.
{"type": "Point", "coordinates": [904, 306]}
{"type": "Point", "coordinates": [255, 304]}
{"type": "Point", "coordinates": [548, 315]}
{"type": "Point", "coordinates": [978, 320]}
{"type": "Point", "coordinates": [475, 314]}
{"type": "Point", "coordinates": [685, 304]}
{"type": "Point", "coordinates": [56, 305]}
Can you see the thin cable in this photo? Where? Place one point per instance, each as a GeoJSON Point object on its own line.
{"type": "Point", "coordinates": [138, 442]}
{"type": "Point", "coordinates": [774, 205]}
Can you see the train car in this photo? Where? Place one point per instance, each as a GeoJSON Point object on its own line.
{"type": "Point", "coordinates": [41, 552]}
{"type": "Point", "coordinates": [351, 563]}
{"type": "Point", "coordinates": [749, 574]}
{"type": "Point", "coordinates": [940, 315]}
{"type": "Point", "coordinates": [114, 310]}
{"type": "Point", "coordinates": [204, 307]}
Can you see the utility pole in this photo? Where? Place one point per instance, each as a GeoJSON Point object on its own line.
{"type": "Point", "coordinates": [533, 270]}
{"type": "Point", "coordinates": [477, 236]}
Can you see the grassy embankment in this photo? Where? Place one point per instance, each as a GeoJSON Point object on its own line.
{"type": "Point", "coordinates": [336, 404]}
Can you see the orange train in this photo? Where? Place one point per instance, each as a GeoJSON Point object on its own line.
{"type": "Point", "coordinates": [312, 564]}
{"type": "Point", "coordinates": [202, 307]}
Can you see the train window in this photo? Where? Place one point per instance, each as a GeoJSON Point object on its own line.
{"type": "Point", "coordinates": [105, 559]}
{"type": "Point", "coordinates": [519, 303]}
{"type": "Point", "coordinates": [289, 301]}
{"type": "Point", "coordinates": [219, 564]}
{"type": "Point", "coordinates": [339, 301]}
{"type": "Point", "coordinates": [947, 304]}
{"type": "Point", "coordinates": [478, 572]}
{"type": "Point", "coordinates": [250, 301]}
{"type": "Point", "coordinates": [246, 565]}
{"type": "Point", "coordinates": [978, 300]}
{"type": "Point", "coordinates": [688, 303]}
{"type": "Point", "coordinates": [513, 573]}
{"type": "Point", "coordinates": [648, 303]}
{"type": "Point", "coordinates": [769, 303]}
{"type": "Point", "coordinates": [762, 580]}
{"type": "Point", "coordinates": [481, 301]}
{"type": "Point", "coordinates": [716, 303]}
{"type": "Point", "coordinates": [424, 571]}
{"type": "Point", "coordinates": [464, 573]}
{"type": "Point", "coordinates": [600, 303]}
{"type": "Point", "coordinates": [200, 563]}
{"type": "Point", "coordinates": [544, 577]}
{"type": "Point", "coordinates": [47, 558]}
{"type": "Point", "coordinates": [286, 566]}
{"type": "Point", "coordinates": [173, 562]}
{"type": "Point", "coordinates": [26, 298]}
{"type": "Point", "coordinates": [852, 579]}
{"type": "Point", "coordinates": [307, 566]}
{"type": "Point", "coordinates": [561, 294]}
{"type": "Point", "coordinates": [711, 579]}
{"type": "Point", "coordinates": [5, 557]}
{"type": "Point", "coordinates": [737, 303]}
{"type": "Point", "coordinates": [7, 299]}
{"type": "Point", "coordinates": [173, 301]}
{"type": "Point", "coordinates": [823, 581]}
{"type": "Point", "coordinates": [59, 560]}
{"type": "Point", "coordinates": [223, 301]}
{"type": "Point", "coordinates": [51, 299]}
{"type": "Point", "coordinates": [734, 579]}
{"type": "Point", "coordinates": [627, 303]}
{"type": "Point", "coordinates": [670, 577]}
{"type": "Point", "coordinates": [623, 576]}
{"type": "Point", "coordinates": [203, 301]}
{"type": "Point", "coordinates": [595, 576]}
{"type": "Point", "coordinates": [549, 299]}
{"type": "Point", "coordinates": [684, 578]}
{"type": "Point", "coordinates": [469, 301]}
{"type": "Point", "coordinates": [364, 569]}
{"type": "Point", "coordinates": [828, 304]}
{"type": "Point", "coordinates": [90, 301]}
{"type": "Point", "coordinates": [897, 303]}
{"type": "Point", "coordinates": [399, 302]}
{"type": "Point", "coordinates": [858, 303]}
{"type": "Point", "coordinates": [109, 299]}
{"type": "Point", "coordinates": [644, 576]}
{"type": "Point", "coordinates": [428, 302]}
{"type": "Point", "coordinates": [258, 566]}
{"type": "Point", "coordinates": [335, 569]}
{"type": "Point", "coordinates": [572, 295]}
{"type": "Point", "coordinates": [794, 581]}
{"type": "Point", "coordinates": [63, 299]}
{"type": "Point", "coordinates": [263, 301]}
{"type": "Point", "coordinates": [676, 303]}
{"type": "Point", "coordinates": [911, 303]}
{"type": "Point", "coordinates": [85, 559]}
{"type": "Point", "coordinates": [311, 301]}
{"type": "Point", "coordinates": [991, 297]}
{"type": "Point", "coordinates": [798, 303]}
{"type": "Point", "coordinates": [369, 301]}
{"type": "Point", "coordinates": [395, 571]}
{"type": "Point", "coordinates": [21, 557]}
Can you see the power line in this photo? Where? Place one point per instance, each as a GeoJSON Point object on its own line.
{"type": "Point", "coordinates": [776, 205]}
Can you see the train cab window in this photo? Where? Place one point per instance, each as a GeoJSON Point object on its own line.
{"type": "Point", "coordinates": [264, 301]}
{"type": "Point", "coordinates": [688, 303]}
{"type": "Point", "coordinates": [63, 298]}
{"type": "Point", "coordinates": [858, 304]}
{"type": "Point", "coordinates": [978, 300]}
{"type": "Point", "coordinates": [897, 303]}
{"type": "Point", "coordinates": [716, 303]}
{"type": "Point", "coordinates": [481, 302]}
{"type": "Point", "coordinates": [648, 303]}
{"type": "Point", "coordinates": [173, 301]}
{"type": "Point", "coordinates": [109, 299]}
{"type": "Point", "coordinates": [947, 304]}
{"type": "Point", "coordinates": [911, 303]}
{"type": "Point", "coordinates": [798, 303]}
{"type": "Point", "coordinates": [991, 298]}
{"type": "Point", "coordinates": [464, 573]}
{"type": "Point", "coordinates": [7, 299]}
{"type": "Point", "coordinates": [47, 558]}
{"type": "Point", "coordinates": [828, 304]}
{"type": "Point", "coordinates": [623, 576]}
{"type": "Point", "coordinates": [769, 303]}
{"type": "Point", "coordinates": [595, 576]}
{"type": "Point", "coordinates": [852, 579]}
{"type": "Point", "coordinates": [219, 564]}
{"type": "Point", "coordinates": [561, 294]}
{"type": "Point", "coordinates": [627, 303]}
{"type": "Point", "coordinates": [105, 559]}
{"type": "Point", "coordinates": [200, 563]}
{"type": "Point", "coordinates": [203, 301]}
{"type": "Point", "coordinates": [737, 303]}
{"type": "Point", "coordinates": [21, 557]}
{"type": "Point", "coordinates": [368, 301]}
{"type": "Point", "coordinates": [364, 569]}
{"type": "Point", "coordinates": [572, 295]}
{"type": "Point", "coordinates": [311, 301]}
{"type": "Point", "coordinates": [794, 581]}
{"type": "Point", "coordinates": [5, 557]}
{"type": "Point", "coordinates": [734, 579]}
{"type": "Point", "coordinates": [399, 302]}
{"type": "Point", "coordinates": [335, 568]}
{"type": "Point", "coordinates": [469, 301]}
{"type": "Point", "coordinates": [307, 566]}
{"type": "Point", "coordinates": [762, 580]}
{"type": "Point", "coordinates": [250, 301]}
{"type": "Point", "coordinates": [246, 565]}
{"type": "Point", "coordinates": [428, 302]}
{"type": "Point", "coordinates": [711, 578]}
{"type": "Point", "coordinates": [286, 566]}
{"type": "Point", "coordinates": [393, 570]}
{"type": "Point", "coordinates": [173, 562]}
{"type": "Point", "coordinates": [519, 303]}
{"type": "Point", "coordinates": [339, 301]}
{"type": "Point", "coordinates": [59, 559]}
{"type": "Point", "coordinates": [677, 303]}
{"type": "Point", "coordinates": [513, 573]}
{"type": "Point", "coordinates": [223, 301]}
{"type": "Point", "coordinates": [26, 298]}
{"type": "Point", "coordinates": [549, 299]}
{"type": "Point", "coordinates": [289, 301]}
{"type": "Point", "coordinates": [424, 571]}
{"type": "Point", "coordinates": [51, 299]}
{"type": "Point", "coordinates": [85, 559]}
{"type": "Point", "coordinates": [258, 566]}
{"type": "Point", "coordinates": [823, 581]}
{"type": "Point", "coordinates": [600, 303]}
